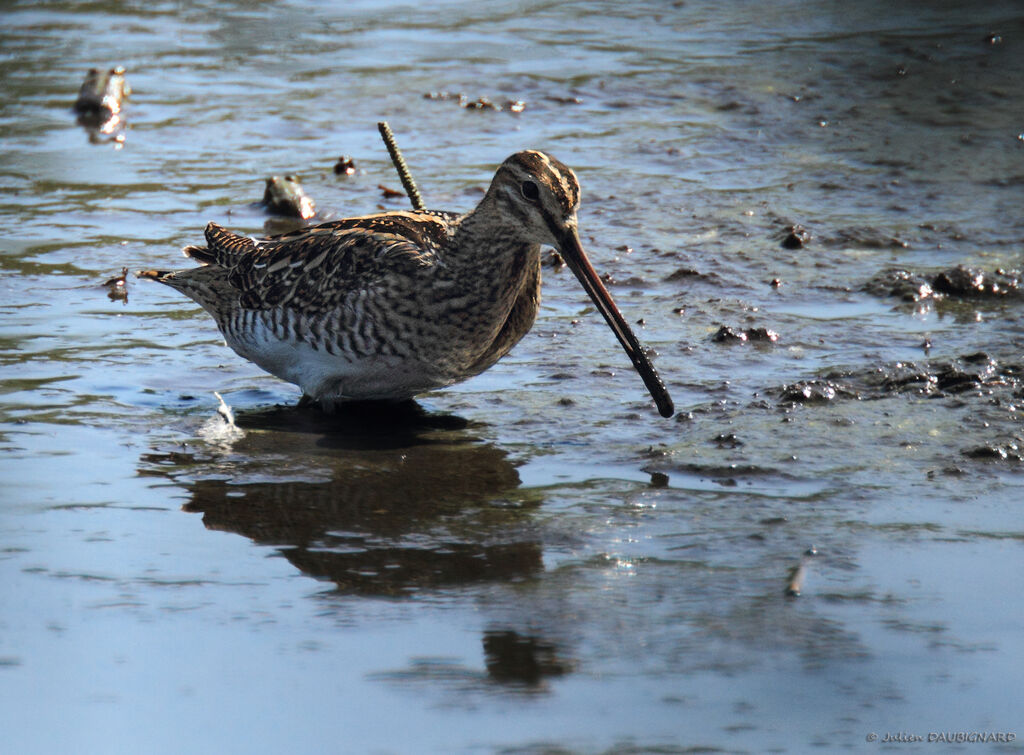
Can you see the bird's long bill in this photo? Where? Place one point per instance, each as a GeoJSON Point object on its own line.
{"type": "Point", "coordinates": [572, 252]}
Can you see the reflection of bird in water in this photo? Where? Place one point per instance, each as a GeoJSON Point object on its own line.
{"type": "Point", "coordinates": [518, 661]}
{"type": "Point", "coordinates": [389, 518]}
{"type": "Point", "coordinates": [390, 305]}
{"type": "Point", "coordinates": [516, 658]}
{"type": "Point", "coordinates": [408, 504]}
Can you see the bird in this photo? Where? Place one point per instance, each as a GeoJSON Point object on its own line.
{"type": "Point", "coordinates": [386, 306]}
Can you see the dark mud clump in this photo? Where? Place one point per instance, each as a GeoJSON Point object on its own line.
{"type": "Point", "coordinates": [986, 393]}
{"type": "Point", "coordinates": [978, 373]}
{"type": "Point", "coordinates": [814, 391]}
{"type": "Point", "coordinates": [692, 274]}
{"type": "Point", "coordinates": [971, 283]}
{"type": "Point", "coordinates": [727, 440]}
{"type": "Point", "coordinates": [725, 334]}
{"type": "Point", "coordinates": [958, 283]}
{"type": "Point", "coordinates": [1009, 450]}
{"type": "Point", "coordinates": [900, 284]}
{"type": "Point", "coordinates": [861, 237]}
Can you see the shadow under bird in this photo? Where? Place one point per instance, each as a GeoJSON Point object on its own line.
{"type": "Point", "coordinates": [386, 306]}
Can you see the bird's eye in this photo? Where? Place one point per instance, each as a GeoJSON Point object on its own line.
{"type": "Point", "coordinates": [530, 190]}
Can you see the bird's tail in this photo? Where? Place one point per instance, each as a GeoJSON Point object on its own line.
{"type": "Point", "coordinates": [200, 254]}
{"type": "Point", "coordinates": [222, 247]}
{"type": "Point", "coordinates": [208, 286]}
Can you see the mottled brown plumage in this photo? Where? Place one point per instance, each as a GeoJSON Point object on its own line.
{"type": "Point", "coordinates": [390, 305]}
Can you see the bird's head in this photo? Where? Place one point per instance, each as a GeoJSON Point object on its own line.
{"type": "Point", "coordinates": [538, 197]}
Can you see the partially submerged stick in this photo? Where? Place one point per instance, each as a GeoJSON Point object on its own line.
{"type": "Point", "coordinates": [403, 170]}
{"type": "Point", "coordinates": [795, 585]}
{"type": "Point", "coordinates": [796, 580]}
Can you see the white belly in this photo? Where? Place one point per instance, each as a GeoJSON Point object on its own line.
{"type": "Point", "coordinates": [336, 377]}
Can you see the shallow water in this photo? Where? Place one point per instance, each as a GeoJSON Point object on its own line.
{"type": "Point", "coordinates": [532, 561]}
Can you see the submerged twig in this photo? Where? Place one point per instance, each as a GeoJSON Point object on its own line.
{"type": "Point", "coordinates": [403, 170]}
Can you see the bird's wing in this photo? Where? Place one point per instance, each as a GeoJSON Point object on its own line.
{"type": "Point", "coordinates": [317, 267]}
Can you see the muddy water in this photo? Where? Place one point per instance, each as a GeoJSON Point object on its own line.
{"type": "Point", "coordinates": [532, 561]}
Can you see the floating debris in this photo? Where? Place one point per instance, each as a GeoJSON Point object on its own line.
{"type": "Point", "coordinates": [795, 583]}
{"type": "Point", "coordinates": [117, 287]}
{"type": "Point", "coordinates": [117, 280]}
{"type": "Point", "coordinates": [102, 94]}
{"type": "Point", "coordinates": [796, 237]}
{"type": "Point", "coordinates": [554, 260]}
{"type": "Point", "coordinates": [99, 104]}
{"type": "Point", "coordinates": [285, 196]}
{"type": "Point", "coordinates": [480, 103]}
{"type": "Point", "coordinates": [345, 166]}
{"type": "Point", "coordinates": [389, 193]}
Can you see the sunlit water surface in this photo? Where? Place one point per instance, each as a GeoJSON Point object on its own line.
{"type": "Point", "coordinates": [534, 561]}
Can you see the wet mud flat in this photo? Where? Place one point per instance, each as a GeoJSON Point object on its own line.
{"type": "Point", "coordinates": [812, 220]}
